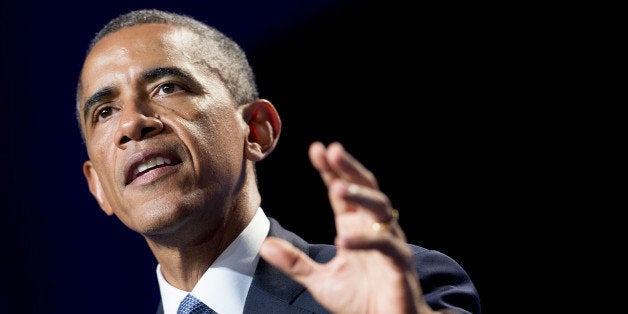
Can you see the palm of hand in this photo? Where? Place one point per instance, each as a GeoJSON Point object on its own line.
{"type": "Point", "coordinates": [361, 280]}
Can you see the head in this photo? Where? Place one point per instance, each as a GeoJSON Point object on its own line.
{"type": "Point", "coordinates": [227, 57]}
{"type": "Point", "coordinates": [172, 123]}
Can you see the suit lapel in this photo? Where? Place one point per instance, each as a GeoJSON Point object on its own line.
{"type": "Point", "coordinates": [271, 290]}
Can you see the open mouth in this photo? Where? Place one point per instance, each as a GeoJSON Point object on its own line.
{"type": "Point", "coordinates": [148, 164]}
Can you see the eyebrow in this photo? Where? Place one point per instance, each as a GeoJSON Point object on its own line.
{"type": "Point", "coordinates": [150, 75]}
{"type": "Point", "coordinates": [94, 99]}
{"type": "Point", "coordinates": [158, 73]}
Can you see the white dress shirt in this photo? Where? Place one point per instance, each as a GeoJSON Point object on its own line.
{"type": "Point", "coordinates": [225, 284]}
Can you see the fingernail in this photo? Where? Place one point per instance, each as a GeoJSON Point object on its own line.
{"type": "Point", "coordinates": [353, 189]}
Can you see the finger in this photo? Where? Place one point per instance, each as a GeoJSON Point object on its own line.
{"type": "Point", "coordinates": [359, 209]}
{"type": "Point", "coordinates": [394, 248]}
{"type": "Point", "coordinates": [283, 255]}
{"type": "Point", "coordinates": [349, 168]}
{"type": "Point", "coordinates": [349, 217]}
{"type": "Point", "coordinates": [372, 200]}
{"type": "Point", "coordinates": [351, 187]}
{"type": "Point", "coordinates": [318, 158]}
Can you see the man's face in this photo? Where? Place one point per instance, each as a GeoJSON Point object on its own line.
{"type": "Point", "coordinates": [165, 140]}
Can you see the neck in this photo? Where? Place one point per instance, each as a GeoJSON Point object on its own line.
{"type": "Point", "coordinates": [184, 256]}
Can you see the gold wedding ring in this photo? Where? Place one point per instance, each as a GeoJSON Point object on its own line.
{"type": "Point", "coordinates": [386, 225]}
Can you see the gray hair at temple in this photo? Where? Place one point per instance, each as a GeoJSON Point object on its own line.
{"type": "Point", "coordinates": [226, 55]}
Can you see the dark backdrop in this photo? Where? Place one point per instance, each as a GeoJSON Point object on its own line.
{"type": "Point", "coordinates": [429, 97]}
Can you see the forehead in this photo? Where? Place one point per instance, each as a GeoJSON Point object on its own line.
{"type": "Point", "coordinates": [131, 50]}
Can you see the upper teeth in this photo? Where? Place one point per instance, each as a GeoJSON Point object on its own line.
{"type": "Point", "coordinates": [153, 162]}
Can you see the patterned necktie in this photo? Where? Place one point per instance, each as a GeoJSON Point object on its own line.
{"type": "Point", "coordinates": [192, 305]}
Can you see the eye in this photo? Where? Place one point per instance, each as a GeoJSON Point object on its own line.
{"type": "Point", "coordinates": [168, 88]}
{"type": "Point", "coordinates": [103, 113]}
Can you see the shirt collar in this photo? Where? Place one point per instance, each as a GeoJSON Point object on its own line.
{"type": "Point", "coordinates": [226, 282]}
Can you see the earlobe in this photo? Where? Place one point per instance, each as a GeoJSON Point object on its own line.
{"type": "Point", "coordinates": [264, 128]}
{"type": "Point", "coordinates": [95, 187]}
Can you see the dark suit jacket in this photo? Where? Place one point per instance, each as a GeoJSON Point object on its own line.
{"type": "Point", "coordinates": [445, 284]}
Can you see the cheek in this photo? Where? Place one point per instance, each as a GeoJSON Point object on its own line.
{"type": "Point", "coordinates": [101, 138]}
{"type": "Point", "coordinates": [191, 108]}
{"type": "Point", "coordinates": [217, 121]}
{"type": "Point", "coordinates": [97, 152]}
{"type": "Point", "coordinates": [215, 135]}
{"type": "Point", "coordinates": [218, 137]}
{"type": "Point", "coordinates": [101, 151]}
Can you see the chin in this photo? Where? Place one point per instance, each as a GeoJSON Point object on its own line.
{"type": "Point", "coordinates": [159, 222]}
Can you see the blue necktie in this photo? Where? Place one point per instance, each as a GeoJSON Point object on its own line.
{"type": "Point", "coordinates": [192, 305]}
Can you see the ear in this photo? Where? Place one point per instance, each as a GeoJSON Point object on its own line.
{"type": "Point", "coordinates": [264, 128]}
{"type": "Point", "coordinates": [95, 187]}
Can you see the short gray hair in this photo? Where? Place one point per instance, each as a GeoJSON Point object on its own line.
{"type": "Point", "coordinates": [226, 55]}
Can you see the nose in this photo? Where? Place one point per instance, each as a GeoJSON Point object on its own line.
{"type": "Point", "coordinates": [137, 122]}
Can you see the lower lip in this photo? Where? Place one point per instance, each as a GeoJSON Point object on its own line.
{"type": "Point", "coordinates": [153, 175]}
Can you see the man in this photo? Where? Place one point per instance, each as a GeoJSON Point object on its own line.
{"type": "Point", "coordinates": [173, 126]}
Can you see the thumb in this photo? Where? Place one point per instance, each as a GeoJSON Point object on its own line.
{"type": "Point", "coordinates": [293, 262]}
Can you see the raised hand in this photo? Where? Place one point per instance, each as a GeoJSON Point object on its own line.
{"type": "Point", "coordinates": [373, 271]}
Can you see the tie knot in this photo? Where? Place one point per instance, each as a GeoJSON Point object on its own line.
{"type": "Point", "coordinates": [192, 305]}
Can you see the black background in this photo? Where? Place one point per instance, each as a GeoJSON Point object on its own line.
{"type": "Point", "coordinates": [437, 100]}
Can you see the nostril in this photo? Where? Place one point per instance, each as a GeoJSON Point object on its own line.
{"type": "Point", "coordinates": [124, 139]}
{"type": "Point", "coordinates": [133, 135]}
{"type": "Point", "coordinates": [146, 131]}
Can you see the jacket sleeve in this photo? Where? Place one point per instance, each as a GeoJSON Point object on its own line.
{"type": "Point", "coordinates": [445, 284]}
